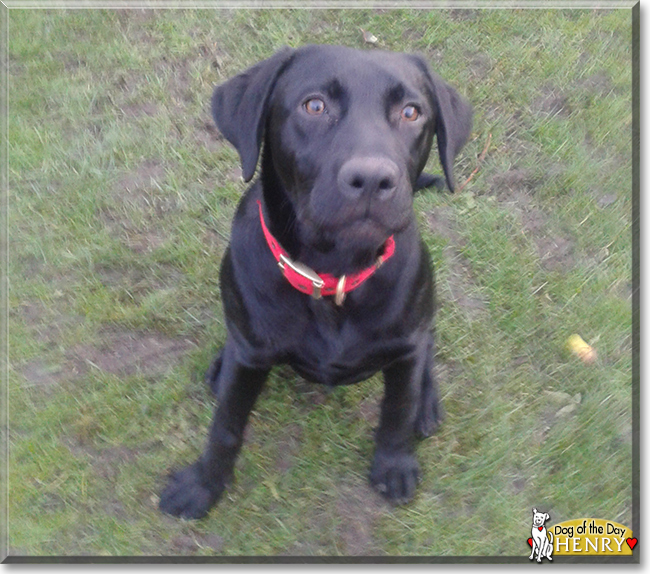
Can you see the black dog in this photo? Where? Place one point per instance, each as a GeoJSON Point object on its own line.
{"type": "Point", "coordinates": [326, 271]}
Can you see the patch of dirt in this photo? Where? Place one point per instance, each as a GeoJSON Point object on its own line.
{"type": "Point", "coordinates": [116, 509]}
{"type": "Point", "coordinates": [177, 73]}
{"type": "Point", "coordinates": [603, 154]}
{"type": "Point", "coordinates": [308, 394]}
{"type": "Point", "coordinates": [235, 174]}
{"type": "Point", "coordinates": [134, 284]}
{"type": "Point", "coordinates": [463, 15]}
{"type": "Point", "coordinates": [517, 179]}
{"type": "Point", "coordinates": [47, 324]}
{"type": "Point", "coordinates": [108, 457]}
{"type": "Point", "coordinates": [516, 123]}
{"type": "Point", "coordinates": [480, 65]}
{"type": "Point", "coordinates": [141, 239]}
{"type": "Point", "coordinates": [552, 102]}
{"type": "Point", "coordinates": [445, 372]}
{"type": "Point", "coordinates": [33, 266]}
{"type": "Point", "coordinates": [128, 352]}
{"type": "Point", "coordinates": [136, 110]}
{"type": "Point", "coordinates": [52, 502]}
{"type": "Point", "coordinates": [599, 84]}
{"type": "Point", "coordinates": [137, 16]}
{"type": "Point", "coordinates": [43, 375]}
{"type": "Point", "coordinates": [142, 188]}
{"type": "Point", "coordinates": [317, 536]}
{"type": "Point", "coordinates": [440, 223]}
{"type": "Point", "coordinates": [370, 410]}
{"type": "Point", "coordinates": [106, 464]}
{"type": "Point", "coordinates": [146, 175]}
{"type": "Point", "coordinates": [412, 35]}
{"type": "Point", "coordinates": [558, 408]}
{"type": "Point", "coordinates": [145, 241]}
{"type": "Point", "coordinates": [214, 241]}
{"type": "Point", "coordinates": [518, 485]}
{"type": "Point", "coordinates": [128, 82]}
{"type": "Point", "coordinates": [459, 279]}
{"type": "Point", "coordinates": [435, 55]}
{"type": "Point", "coordinates": [288, 447]}
{"type": "Point", "coordinates": [207, 135]}
{"type": "Point", "coordinates": [515, 188]}
{"type": "Point", "coordinates": [191, 542]}
{"type": "Point", "coordinates": [358, 508]}
{"type": "Point", "coordinates": [72, 62]}
{"type": "Point", "coordinates": [533, 220]}
{"type": "Point", "coordinates": [606, 200]}
{"type": "Point", "coordinates": [556, 253]}
{"type": "Point", "coordinates": [15, 68]}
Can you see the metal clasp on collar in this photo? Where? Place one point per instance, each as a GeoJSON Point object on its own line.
{"type": "Point", "coordinates": [304, 271]}
{"type": "Point", "coordinates": [340, 293]}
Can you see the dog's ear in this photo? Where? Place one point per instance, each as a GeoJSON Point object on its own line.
{"type": "Point", "coordinates": [534, 510]}
{"type": "Point", "coordinates": [548, 516]}
{"type": "Point", "coordinates": [239, 107]}
{"type": "Point", "coordinates": [453, 122]}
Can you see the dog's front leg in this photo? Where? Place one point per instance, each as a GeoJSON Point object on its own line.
{"type": "Point", "coordinates": [192, 491]}
{"type": "Point", "coordinates": [532, 552]}
{"type": "Point", "coordinates": [394, 471]}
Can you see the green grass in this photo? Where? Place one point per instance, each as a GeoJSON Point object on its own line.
{"type": "Point", "coordinates": [120, 206]}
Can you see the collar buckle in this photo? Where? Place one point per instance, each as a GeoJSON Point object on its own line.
{"type": "Point", "coordinates": [306, 272]}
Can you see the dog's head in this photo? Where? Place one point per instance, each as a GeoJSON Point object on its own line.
{"type": "Point", "coordinates": [346, 134]}
{"type": "Point", "coordinates": [539, 518]}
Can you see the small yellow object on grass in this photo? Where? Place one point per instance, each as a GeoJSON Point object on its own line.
{"type": "Point", "coordinates": [586, 353]}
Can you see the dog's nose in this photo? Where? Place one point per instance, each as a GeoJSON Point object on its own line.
{"type": "Point", "coordinates": [368, 176]}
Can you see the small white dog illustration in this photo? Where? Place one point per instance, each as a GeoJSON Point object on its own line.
{"type": "Point", "coordinates": [540, 539]}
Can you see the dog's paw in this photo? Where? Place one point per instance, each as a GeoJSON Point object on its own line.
{"type": "Point", "coordinates": [395, 476]}
{"type": "Point", "coordinates": [187, 496]}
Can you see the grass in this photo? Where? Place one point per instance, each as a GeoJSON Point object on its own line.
{"type": "Point", "coordinates": [121, 197]}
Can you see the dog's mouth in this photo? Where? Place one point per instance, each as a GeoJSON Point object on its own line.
{"type": "Point", "coordinates": [345, 248]}
{"type": "Point", "coordinates": [345, 235]}
{"type": "Point", "coordinates": [366, 223]}
{"type": "Point", "coordinates": [367, 233]}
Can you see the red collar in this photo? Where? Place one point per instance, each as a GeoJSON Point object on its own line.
{"type": "Point", "coordinates": [308, 281]}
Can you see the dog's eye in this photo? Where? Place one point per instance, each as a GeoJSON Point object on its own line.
{"type": "Point", "coordinates": [314, 106]}
{"type": "Point", "coordinates": [410, 113]}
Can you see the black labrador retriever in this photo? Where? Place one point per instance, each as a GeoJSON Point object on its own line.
{"type": "Point", "coordinates": [326, 270]}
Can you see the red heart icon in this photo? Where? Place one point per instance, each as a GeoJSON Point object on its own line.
{"type": "Point", "coordinates": [540, 528]}
{"type": "Point", "coordinates": [631, 542]}
{"type": "Point", "coordinates": [530, 541]}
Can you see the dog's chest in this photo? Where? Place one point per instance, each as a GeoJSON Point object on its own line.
{"type": "Point", "coordinates": [335, 349]}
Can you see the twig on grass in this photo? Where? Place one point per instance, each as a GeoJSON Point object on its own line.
{"type": "Point", "coordinates": [478, 166]}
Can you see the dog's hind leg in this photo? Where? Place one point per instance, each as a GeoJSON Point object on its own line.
{"type": "Point", "coordinates": [549, 548]}
{"type": "Point", "coordinates": [430, 412]}
{"type": "Point", "coordinates": [212, 374]}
